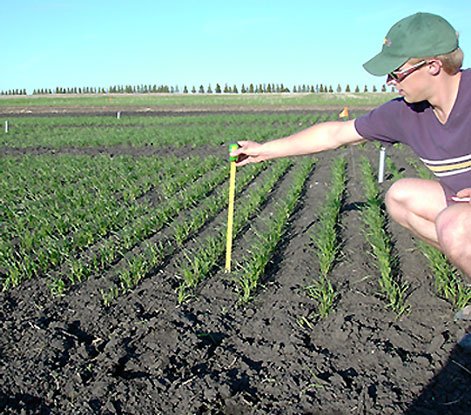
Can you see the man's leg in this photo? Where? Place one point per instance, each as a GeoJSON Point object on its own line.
{"type": "Point", "coordinates": [454, 235]}
{"type": "Point", "coordinates": [416, 204]}
{"type": "Point", "coordinates": [420, 206]}
{"type": "Point", "coordinates": [455, 239]}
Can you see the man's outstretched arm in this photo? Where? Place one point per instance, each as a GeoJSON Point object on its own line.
{"type": "Point", "coordinates": [319, 137]}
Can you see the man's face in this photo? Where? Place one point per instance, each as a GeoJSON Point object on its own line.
{"type": "Point", "coordinates": [409, 81]}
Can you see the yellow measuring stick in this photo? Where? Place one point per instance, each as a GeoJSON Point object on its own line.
{"type": "Point", "coordinates": [230, 215]}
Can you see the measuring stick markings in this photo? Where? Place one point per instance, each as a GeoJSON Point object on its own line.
{"type": "Point", "coordinates": [230, 214]}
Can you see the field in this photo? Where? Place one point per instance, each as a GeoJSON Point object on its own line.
{"type": "Point", "coordinates": [115, 299]}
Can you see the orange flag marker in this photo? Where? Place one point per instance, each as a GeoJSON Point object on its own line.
{"type": "Point", "coordinates": [344, 113]}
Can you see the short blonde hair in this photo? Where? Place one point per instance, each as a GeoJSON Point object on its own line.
{"type": "Point", "coordinates": [451, 62]}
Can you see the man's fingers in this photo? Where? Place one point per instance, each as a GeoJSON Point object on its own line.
{"type": "Point", "coordinates": [241, 149]}
{"type": "Point", "coordinates": [464, 192]}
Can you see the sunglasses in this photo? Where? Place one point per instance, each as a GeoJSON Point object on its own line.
{"type": "Point", "coordinates": [399, 76]}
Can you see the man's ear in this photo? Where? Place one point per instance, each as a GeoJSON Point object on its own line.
{"type": "Point", "coordinates": [434, 66]}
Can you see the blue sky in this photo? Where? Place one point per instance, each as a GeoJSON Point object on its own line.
{"type": "Point", "coordinates": [77, 43]}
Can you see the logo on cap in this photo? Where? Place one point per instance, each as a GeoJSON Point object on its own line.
{"type": "Point", "coordinates": [387, 42]}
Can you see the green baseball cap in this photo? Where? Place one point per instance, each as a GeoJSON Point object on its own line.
{"type": "Point", "coordinates": [418, 36]}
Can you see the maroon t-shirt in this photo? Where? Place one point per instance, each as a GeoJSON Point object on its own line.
{"type": "Point", "coordinates": [444, 148]}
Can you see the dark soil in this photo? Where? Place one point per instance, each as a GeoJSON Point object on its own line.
{"type": "Point", "coordinates": [145, 354]}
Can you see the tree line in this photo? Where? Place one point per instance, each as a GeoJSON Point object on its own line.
{"type": "Point", "coordinates": [145, 89]}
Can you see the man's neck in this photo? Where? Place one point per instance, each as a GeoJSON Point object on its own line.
{"type": "Point", "coordinates": [445, 96]}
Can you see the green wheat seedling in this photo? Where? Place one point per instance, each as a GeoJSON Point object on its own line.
{"type": "Point", "coordinates": [109, 296]}
{"type": "Point", "coordinates": [260, 254]}
{"type": "Point", "coordinates": [63, 213]}
{"type": "Point", "coordinates": [394, 290]}
{"type": "Point", "coordinates": [447, 282]}
{"type": "Point", "coordinates": [325, 234]}
{"type": "Point", "coordinates": [325, 239]}
{"type": "Point", "coordinates": [323, 293]}
{"type": "Point", "coordinates": [266, 242]}
{"type": "Point", "coordinates": [198, 263]}
{"type": "Point", "coordinates": [391, 167]}
{"type": "Point", "coordinates": [193, 265]}
{"type": "Point", "coordinates": [112, 250]}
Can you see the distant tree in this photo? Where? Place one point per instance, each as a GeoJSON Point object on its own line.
{"type": "Point", "coordinates": [201, 89]}
{"type": "Point", "coordinates": [374, 89]}
{"type": "Point", "coordinates": [210, 91]}
{"type": "Point", "coordinates": [357, 89]}
{"type": "Point", "coordinates": [347, 88]}
{"type": "Point", "coordinates": [185, 90]}
{"type": "Point", "coordinates": [193, 90]}
{"type": "Point", "coordinates": [251, 88]}
{"type": "Point", "coordinates": [242, 89]}
{"type": "Point", "coordinates": [218, 89]}
{"type": "Point", "coordinates": [366, 88]}
{"type": "Point", "coordinates": [383, 88]}
{"type": "Point", "coordinates": [234, 89]}
{"type": "Point", "coordinates": [331, 90]}
{"type": "Point", "coordinates": [339, 88]}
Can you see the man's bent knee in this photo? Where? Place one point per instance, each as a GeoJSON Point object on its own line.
{"type": "Point", "coordinates": [398, 198]}
{"type": "Point", "coordinates": [452, 229]}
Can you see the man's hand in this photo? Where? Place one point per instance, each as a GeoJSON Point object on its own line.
{"type": "Point", "coordinates": [248, 152]}
{"type": "Point", "coordinates": [465, 194]}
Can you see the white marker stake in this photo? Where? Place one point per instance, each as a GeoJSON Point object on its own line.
{"type": "Point", "coordinates": [6, 126]}
{"type": "Point", "coordinates": [382, 158]}
{"type": "Point", "coordinates": [118, 115]}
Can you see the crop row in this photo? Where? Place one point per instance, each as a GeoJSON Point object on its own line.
{"type": "Point", "coordinates": [55, 220]}
{"type": "Point", "coordinates": [326, 239]}
{"type": "Point", "coordinates": [156, 254]}
{"type": "Point", "coordinates": [72, 217]}
{"type": "Point", "coordinates": [266, 241]}
{"type": "Point", "coordinates": [394, 290]}
{"type": "Point", "coordinates": [199, 261]}
{"type": "Point", "coordinates": [111, 250]}
{"type": "Point", "coordinates": [170, 131]}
